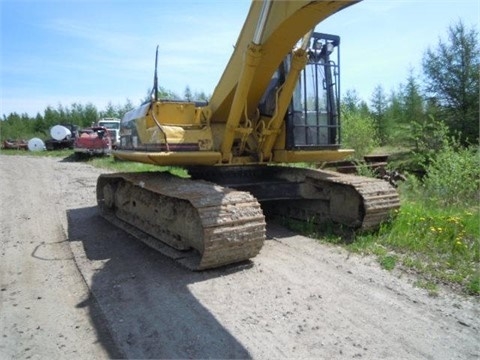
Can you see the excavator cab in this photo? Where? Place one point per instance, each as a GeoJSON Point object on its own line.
{"type": "Point", "coordinates": [312, 119]}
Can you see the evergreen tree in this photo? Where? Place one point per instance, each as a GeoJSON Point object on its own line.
{"type": "Point", "coordinates": [379, 108]}
{"type": "Point", "coordinates": [452, 80]}
{"type": "Point", "coordinates": [351, 100]}
{"type": "Point", "coordinates": [39, 124]}
{"type": "Point", "coordinates": [413, 100]}
{"type": "Point", "coordinates": [187, 95]}
{"type": "Point", "coordinates": [52, 117]}
{"type": "Point", "coordinates": [110, 112]}
{"type": "Point", "coordinates": [90, 115]}
{"type": "Point", "coordinates": [395, 115]}
{"type": "Point", "coordinates": [201, 96]}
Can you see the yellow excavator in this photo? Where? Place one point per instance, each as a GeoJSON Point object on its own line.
{"type": "Point", "coordinates": [277, 103]}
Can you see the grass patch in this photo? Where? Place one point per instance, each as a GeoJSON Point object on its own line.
{"type": "Point", "coordinates": [127, 166]}
{"type": "Point", "coordinates": [430, 286]}
{"type": "Point", "coordinates": [440, 244]}
{"type": "Point", "coordinates": [473, 285]}
{"type": "Point", "coordinates": [327, 232]}
{"type": "Point", "coordinates": [109, 162]}
{"type": "Point", "coordinates": [388, 261]}
{"type": "Point", "coordinates": [436, 233]}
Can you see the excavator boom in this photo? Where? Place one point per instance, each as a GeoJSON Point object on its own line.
{"type": "Point", "coordinates": [287, 22]}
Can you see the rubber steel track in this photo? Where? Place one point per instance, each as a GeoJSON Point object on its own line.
{"type": "Point", "coordinates": [199, 224]}
{"type": "Point", "coordinates": [311, 195]}
{"type": "Point", "coordinates": [202, 224]}
{"type": "Point", "coordinates": [377, 198]}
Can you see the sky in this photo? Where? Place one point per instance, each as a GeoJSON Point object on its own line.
{"type": "Point", "coordinates": [61, 52]}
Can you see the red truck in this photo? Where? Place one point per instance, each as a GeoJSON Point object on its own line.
{"type": "Point", "coordinates": [94, 140]}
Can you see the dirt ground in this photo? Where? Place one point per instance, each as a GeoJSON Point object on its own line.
{"type": "Point", "coordinates": [74, 286]}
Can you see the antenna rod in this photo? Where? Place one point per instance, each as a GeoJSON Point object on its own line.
{"type": "Point", "coordinates": [155, 77]}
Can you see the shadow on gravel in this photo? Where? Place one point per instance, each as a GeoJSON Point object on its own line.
{"type": "Point", "coordinates": [144, 297]}
{"type": "Point", "coordinates": [79, 157]}
{"type": "Point", "coordinates": [70, 158]}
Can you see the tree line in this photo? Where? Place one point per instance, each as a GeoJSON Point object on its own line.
{"type": "Point", "coordinates": [442, 101]}
{"type": "Point", "coordinates": [22, 126]}
{"type": "Point", "coordinates": [444, 98]}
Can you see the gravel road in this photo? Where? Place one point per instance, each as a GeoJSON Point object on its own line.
{"type": "Point", "coordinates": [74, 286]}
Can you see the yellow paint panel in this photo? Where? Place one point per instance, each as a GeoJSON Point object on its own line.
{"type": "Point", "coordinates": [170, 158]}
{"type": "Point", "coordinates": [174, 113]}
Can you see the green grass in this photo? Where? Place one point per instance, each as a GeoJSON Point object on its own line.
{"type": "Point", "coordinates": [430, 286]}
{"type": "Point", "coordinates": [109, 162]}
{"type": "Point", "coordinates": [441, 244]}
{"type": "Point", "coordinates": [388, 261]}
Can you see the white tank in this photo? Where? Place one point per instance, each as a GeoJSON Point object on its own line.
{"type": "Point", "coordinates": [36, 144]}
{"type": "Point", "coordinates": [59, 132]}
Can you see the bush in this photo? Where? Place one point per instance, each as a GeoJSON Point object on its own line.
{"type": "Point", "coordinates": [452, 172]}
{"type": "Point", "coordinates": [453, 177]}
{"type": "Point", "coordinates": [359, 133]}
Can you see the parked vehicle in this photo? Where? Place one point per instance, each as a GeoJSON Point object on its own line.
{"type": "Point", "coordinates": [15, 144]}
{"type": "Point", "coordinates": [94, 140]}
{"type": "Point", "coordinates": [113, 127]}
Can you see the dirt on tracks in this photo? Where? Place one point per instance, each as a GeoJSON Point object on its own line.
{"type": "Point", "coordinates": [72, 285]}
